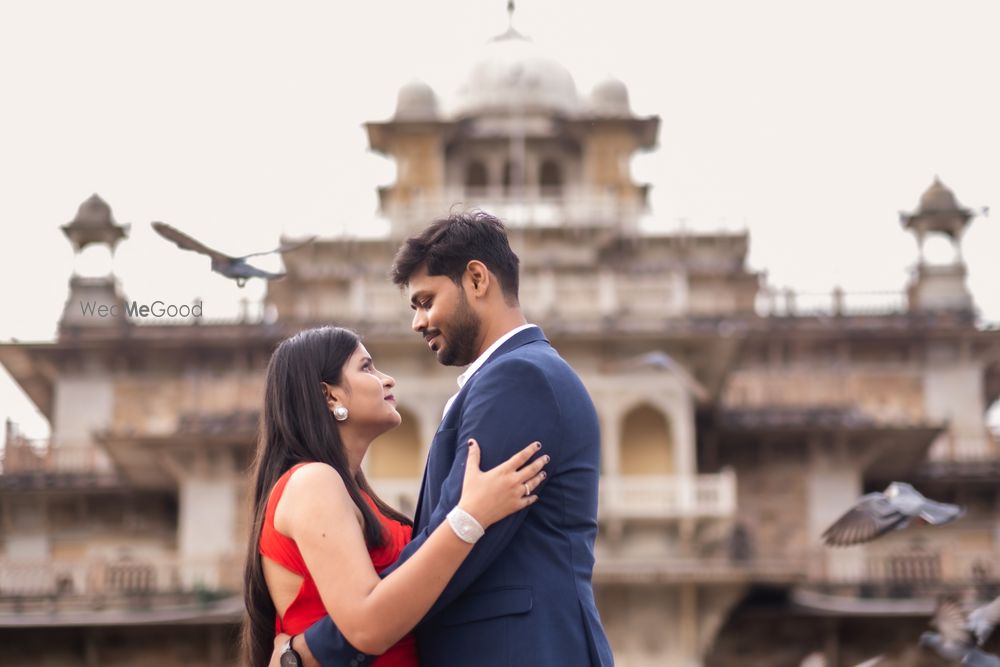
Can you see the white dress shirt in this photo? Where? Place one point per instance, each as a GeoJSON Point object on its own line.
{"type": "Point", "coordinates": [478, 363]}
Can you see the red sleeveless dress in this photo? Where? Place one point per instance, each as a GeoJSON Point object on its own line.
{"type": "Point", "coordinates": [307, 607]}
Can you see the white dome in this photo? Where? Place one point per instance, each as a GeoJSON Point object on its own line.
{"type": "Point", "coordinates": [416, 101]}
{"type": "Point", "coordinates": [513, 74]}
{"type": "Point", "coordinates": [610, 98]}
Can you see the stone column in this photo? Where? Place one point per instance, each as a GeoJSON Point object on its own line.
{"type": "Point", "coordinates": [611, 433]}
{"type": "Point", "coordinates": [208, 493]}
{"type": "Point", "coordinates": [359, 301]}
{"type": "Point", "coordinates": [834, 484]}
{"type": "Point", "coordinates": [688, 603]}
{"type": "Point", "coordinates": [607, 293]}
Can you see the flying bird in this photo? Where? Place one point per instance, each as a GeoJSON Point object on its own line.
{"type": "Point", "coordinates": [977, 658]}
{"type": "Point", "coordinates": [982, 620]}
{"type": "Point", "coordinates": [876, 514]}
{"type": "Point", "coordinates": [231, 267]}
{"type": "Point", "coordinates": [957, 636]}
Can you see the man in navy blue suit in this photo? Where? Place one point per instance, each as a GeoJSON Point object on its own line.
{"type": "Point", "coordinates": [524, 594]}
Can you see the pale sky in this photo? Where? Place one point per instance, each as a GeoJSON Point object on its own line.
{"type": "Point", "coordinates": [809, 123]}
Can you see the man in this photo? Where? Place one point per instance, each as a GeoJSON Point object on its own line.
{"type": "Point", "coordinates": [524, 594]}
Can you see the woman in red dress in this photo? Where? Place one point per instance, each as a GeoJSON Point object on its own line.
{"type": "Point", "coordinates": [320, 534]}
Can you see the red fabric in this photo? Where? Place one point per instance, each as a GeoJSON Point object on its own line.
{"type": "Point", "coordinates": [307, 607]}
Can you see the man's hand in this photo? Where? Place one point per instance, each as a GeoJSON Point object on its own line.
{"type": "Point", "coordinates": [279, 645]}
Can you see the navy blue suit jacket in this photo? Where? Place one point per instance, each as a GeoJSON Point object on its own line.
{"type": "Point", "coordinates": [523, 596]}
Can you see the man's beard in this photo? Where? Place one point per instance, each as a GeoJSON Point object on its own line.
{"type": "Point", "coordinates": [462, 336]}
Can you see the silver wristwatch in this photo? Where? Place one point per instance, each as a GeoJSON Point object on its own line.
{"type": "Point", "coordinates": [289, 657]}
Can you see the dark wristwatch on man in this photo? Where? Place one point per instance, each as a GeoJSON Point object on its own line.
{"type": "Point", "coordinates": [289, 656]}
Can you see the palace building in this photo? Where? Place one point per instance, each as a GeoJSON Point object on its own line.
{"type": "Point", "coordinates": [737, 422]}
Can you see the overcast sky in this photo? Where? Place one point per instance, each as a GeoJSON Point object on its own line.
{"type": "Point", "coordinates": [809, 123]}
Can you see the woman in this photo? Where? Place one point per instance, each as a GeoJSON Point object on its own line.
{"type": "Point", "coordinates": [321, 535]}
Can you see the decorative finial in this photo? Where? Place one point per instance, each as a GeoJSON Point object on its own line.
{"type": "Point", "coordinates": [510, 14]}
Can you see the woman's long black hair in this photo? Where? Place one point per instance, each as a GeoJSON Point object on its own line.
{"type": "Point", "coordinates": [297, 426]}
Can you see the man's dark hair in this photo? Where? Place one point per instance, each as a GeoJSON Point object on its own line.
{"type": "Point", "coordinates": [449, 244]}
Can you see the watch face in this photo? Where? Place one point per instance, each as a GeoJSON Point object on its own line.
{"type": "Point", "coordinates": [290, 659]}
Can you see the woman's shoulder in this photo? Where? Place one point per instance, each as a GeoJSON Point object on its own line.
{"type": "Point", "coordinates": [314, 476]}
{"type": "Point", "coordinates": [310, 484]}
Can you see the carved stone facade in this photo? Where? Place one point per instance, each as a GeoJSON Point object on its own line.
{"type": "Point", "coordinates": [735, 423]}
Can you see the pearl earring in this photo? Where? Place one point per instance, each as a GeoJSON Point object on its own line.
{"type": "Point", "coordinates": [340, 413]}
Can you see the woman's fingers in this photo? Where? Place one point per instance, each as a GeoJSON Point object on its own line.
{"type": "Point", "coordinates": [519, 459]}
{"type": "Point", "coordinates": [533, 483]}
{"type": "Point", "coordinates": [530, 470]}
{"type": "Point", "coordinates": [472, 462]}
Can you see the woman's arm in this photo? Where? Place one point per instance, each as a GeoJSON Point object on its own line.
{"type": "Point", "coordinates": [372, 613]}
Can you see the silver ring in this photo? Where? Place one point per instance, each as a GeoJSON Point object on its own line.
{"type": "Point", "coordinates": [527, 489]}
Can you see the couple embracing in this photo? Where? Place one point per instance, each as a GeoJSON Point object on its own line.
{"type": "Point", "coordinates": [495, 570]}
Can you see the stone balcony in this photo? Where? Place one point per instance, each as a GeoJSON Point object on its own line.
{"type": "Point", "coordinates": [668, 496]}
{"type": "Point", "coordinates": [42, 464]}
{"type": "Point", "coordinates": [141, 584]}
{"type": "Point", "coordinates": [915, 569]}
{"type": "Point", "coordinates": [675, 569]}
{"type": "Point", "coordinates": [773, 302]}
{"type": "Point", "coordinates": [569, 207]}
{"type": "Point", "coordinates": [623, 498]}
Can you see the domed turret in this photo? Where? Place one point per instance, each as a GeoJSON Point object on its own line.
{"type": "Point", "coordinates": [938, 211]}
{"type": "Point", "coordinates": [94, 223]}
{"type": "Point", "coordinates": [938, 198]}
{"type": "Point", "coordinates": [938, 281]}
{"type": "Point", "coordinates": [416, 101]}
{"type": "Point", "coordinates": [513, 76]}
{"type": "Point", "coordinates": [610, 98]}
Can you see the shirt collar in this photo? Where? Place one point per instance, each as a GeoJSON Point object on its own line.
{"type": "Point", "coordinates": [478, 363]}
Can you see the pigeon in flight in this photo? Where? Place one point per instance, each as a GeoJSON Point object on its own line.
{"type": "Point", "coordinates": [982, 620]}
{"type": "Point", "coordinates": [977, 658]}
{"type": "Point", "coordinates": [876, 514]}
{"type": "Point", "coordinates": [231, 267]}
{"type": "Point", "coordinates": [958, 634]}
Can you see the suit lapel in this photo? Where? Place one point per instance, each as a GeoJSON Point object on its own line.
{"type": "Point", "coordinates": [433, 479]}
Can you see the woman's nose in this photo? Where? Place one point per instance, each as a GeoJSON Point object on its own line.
{"type": "Point", "coordinates": [388, 381]}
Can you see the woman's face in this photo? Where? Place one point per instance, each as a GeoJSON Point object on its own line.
{"type": "Point", "coordinates": [367, 394]}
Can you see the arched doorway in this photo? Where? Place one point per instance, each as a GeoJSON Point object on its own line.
{"type": "Point", "coordinates": [647, 447]}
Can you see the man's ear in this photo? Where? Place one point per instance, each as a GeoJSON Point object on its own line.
{"type": "Point", "coordinates": [479, 277]}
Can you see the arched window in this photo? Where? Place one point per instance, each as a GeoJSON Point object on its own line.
{"type": "Point", "coordinates": [551, 178]}
{"type": "Point", "coordinates": [646, 443]}
{"type": "Point", "coordinates": [476, 177]}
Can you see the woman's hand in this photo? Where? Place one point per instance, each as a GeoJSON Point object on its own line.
{"type": "Point", "coordinates": [492, 495]}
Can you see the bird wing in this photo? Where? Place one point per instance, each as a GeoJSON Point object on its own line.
{"type": "Point", "coordinates": [976, 658]}
{"type": "Point", "coordinates": [185, 242]}
{"type": "Point", "coordinates": [281, 249]}
{"type": "Point", "coordinates": [983, 619]}
{"type": "Point", "coordinates": [936, 513]}
{"type": "Point", "coordinates": [949, 619]}
{"type": "Point", "coordinates": [870, 517]}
